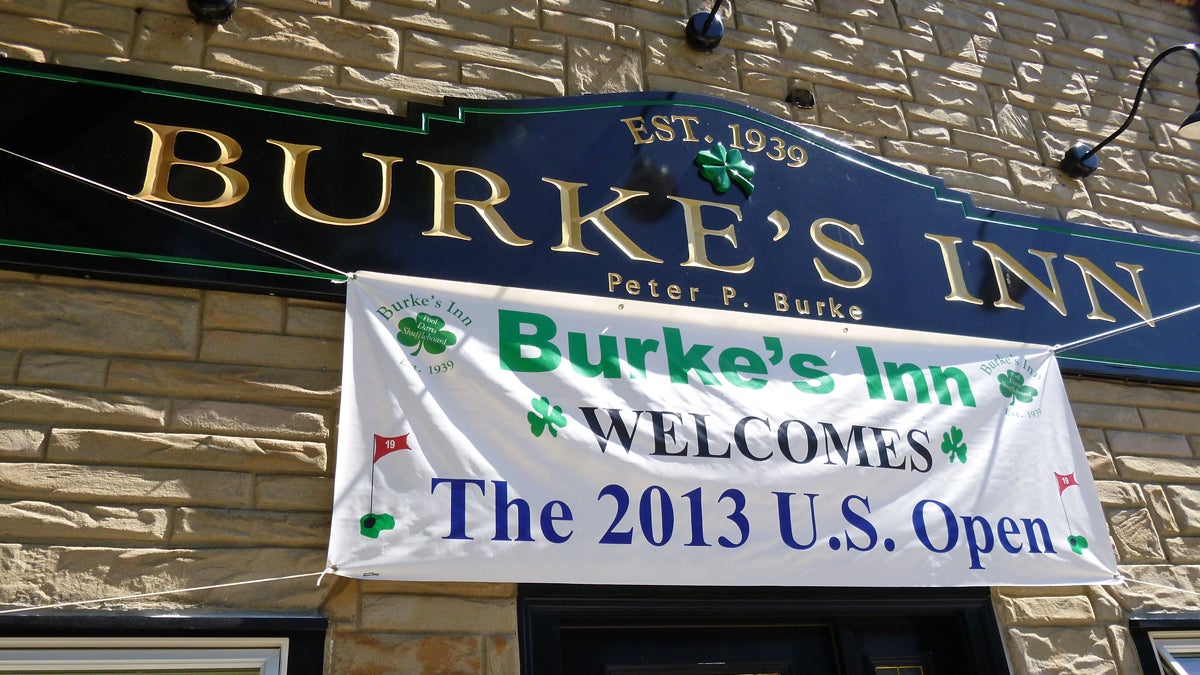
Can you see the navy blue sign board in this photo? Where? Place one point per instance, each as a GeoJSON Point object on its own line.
{"type": "Point", "coordinates": [669, 198]}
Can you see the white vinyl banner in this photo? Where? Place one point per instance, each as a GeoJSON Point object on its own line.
{"type": "Point", "coordinates": [500, 434]}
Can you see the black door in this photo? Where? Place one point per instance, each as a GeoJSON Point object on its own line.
{"type": "Point", "coordinates": [658, 631]}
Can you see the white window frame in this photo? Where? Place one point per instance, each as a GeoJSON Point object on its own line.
{"type": "Point", "coordinates": [57, 654]}
{"type": "Point", "coordinates": [1171, 644]}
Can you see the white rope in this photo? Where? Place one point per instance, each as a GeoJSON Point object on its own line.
{"type": "Point", "coordinates": [80, 603]}
{"type": "Point", "coordinates": [1162, 586]}
{"type": "Point", "coordinates": [1123, 329]}
{"type": "Point", "coordinates": [179, 214]}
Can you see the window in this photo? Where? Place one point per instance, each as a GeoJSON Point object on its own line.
{"type": "Point", "coordinates": [132, 644]}
{"type": "Point", "coordinates": [1168, 646]}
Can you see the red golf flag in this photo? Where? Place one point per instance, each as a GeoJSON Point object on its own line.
{"type": "Point", "coordinates": [386, 445]}
{"type": "Point", "coordinates": [1065, 482]}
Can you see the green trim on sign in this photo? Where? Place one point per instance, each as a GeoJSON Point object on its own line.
{"type": "Point", "coordinates": [193, 262]}
{"type": "Point", "coordinates": [1131, 364]}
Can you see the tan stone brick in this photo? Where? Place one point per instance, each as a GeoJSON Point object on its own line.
{"type": "Point", "coordinates": [514, 13]}
{"type": "Point", "coordinates": [1047, 185]}
{"type": "Point", "coordinates": [1134, 536]}
{"type": "Point", "coordinates": [427, 20]}
{"type": "Point", "coordinates": [502, 655]}
{"type": "Point", "coordinates": [1149, 588]}
{"type": "Point", "coordinates": [63, 370]}
{"type": "Point", "coordinates": [1082, 650]}
{"type": "Point", "coordinates": [825, 76]}
{"type": "Point", "coordinates": [22, 52]}
{"type": "Point", "coordinates": [974, 182]}
{"type": "Point", "coordinates": [40, 521]}
{"type": "Point", "coordinates": [434, 614]}
{"type": "Point", "coordinates": [926, 153]}
{"type": "Point", "coordinates": [597, 68]}
{"type": "Point", "coordinates": [432, 67]}
{"type": "Point", "coordinates": [459, 589]}
{"type": "Point", "coordinates": [539, 41]}
{"type": "Point", "coordinates": [1171, 421]}
{"type": "Point", "coordinates": [506, 57]}
{"type": "Point", "coordinates": [86, 320]}
{"type": "Point", "coordinates": [382, 652]}
{"type": "Point", "coordinates": [863, 114]}
{"type": "Point", "coordinates": [52, 406]}
{"type": "Point", "coordinates": [1105, 416]}
{"type": "Point", "coordinates": [868, 13]}
{"type": "Point", "coordinates": [1159, 470]}
{"type": "Point", "coordinates": [674, 58]}
{"type": "Point", "coordinates": [1100, 391]}
{"type": "Point", "coordinates": [315, 320]}
{"type": "Point", "coordinates": [288, 351]}
{"type": "Point", "coordinates": [20, 442]}
{"type": "Point", "coordinates": [1182, 550]}
{"type": "Point", "coordinates": [293, 493]}
{"type": "Point", "coordinates": [269, 66]}
{"type": "Point", "coordinates": [48, 574]}
{"type": "Point", "coordinates": [100, 15]}
{"type": "Point", "coordinates": [1160, 509]}
{"type": "Point", "coordinates": [164, 71]}
{"type": "Point", "coordinates": [1149, 444]}
{"type": "Point", "coordinates": [969, 17]}
{"type": "Point", "coordinates": [1071, 610]}
{"type": "Point", "coordinates": [314, 38]}
{"type": "Point", "coordinates": [45, 8]}
{"type": "Point", "coordinates": [1116, 493]}
{"type": "Point", "coordinates": [1185, 505]}
{"type": "Point", "coordinates": [208, 380]}
{"type": "Point", "coordinates": [945, 91]}
{"type": "Point", "coordinates": [169, 38]}
{"type": "Point", "coordinates": [241, 311]}
{"type": "Point", "coordinates": [124, 485]}
{"type": "Point", "coordinates": [249, 419]}
{"type": "Point", "coordinates": [336, 97]}
{"type": "Point", "coordinates": [416, 89]}
{"type": "Point", "coordinates": [231, 453]}
{"type": "Point", "coordinates": [512, 80]}
{"type": "Point", "coordinates": [305, 6]}
{"type": "Point", "coordinates": [59, 36]}
{"type": "Point", "coordinates": [841, 51]}
{"type": "Point", "coordinates": [236, 527]}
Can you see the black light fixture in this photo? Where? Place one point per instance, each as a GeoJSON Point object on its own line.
{"type": "Point", "coordinates": [1080, 161]}
{"type": "Point", "coordinates": [213, 12]}
{"type": "Point", "coordinates": [705, 30]}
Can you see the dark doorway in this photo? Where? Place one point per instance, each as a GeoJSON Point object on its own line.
{"type": "Point", "coordinates": [588, 630]}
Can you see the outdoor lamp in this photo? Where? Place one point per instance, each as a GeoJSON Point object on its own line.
{"type": "Point", "coordinates": [1080, 161]}
{"type": "Point", "coordinates": [213, 12]}
{"type": "Point", "coordinates": [705, 30]}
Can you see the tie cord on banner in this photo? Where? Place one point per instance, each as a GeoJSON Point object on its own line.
{"type": "Point", "coordinates": [179, 215]}
{"type": "Point", "coordinates": [321, 576]}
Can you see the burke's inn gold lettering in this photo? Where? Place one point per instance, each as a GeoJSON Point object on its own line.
{"type": "Point", "coordinates": [833, 239]}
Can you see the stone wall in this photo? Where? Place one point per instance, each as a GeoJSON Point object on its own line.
{"type": "Point", "coordinates": [155, 438]}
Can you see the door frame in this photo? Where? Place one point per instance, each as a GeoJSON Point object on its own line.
{"type": "Point", "coordinates": [546, 610]}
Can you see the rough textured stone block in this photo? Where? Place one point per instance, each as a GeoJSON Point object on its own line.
{"type": "Point", "coordinates": [1079, 650]}
{"type": "Point", "coordinates": [41, 521]}
{"type": "Point", "coordinates": [231, 453]}
{"type": "Point", "coordinates": [63, 370]}
{"type": "Point", "coordinates": [380, 652]}
{"type": "Point", "coordinates": [169, 38]}
{"type": "Point", "coordinates": [53, 406]}
{"type": "Point", "coordinates": [1071, 610]}
{"type": "Point", "coordinates": [243, 312]}
{"type": "Point", "coordinates": [1149, 444]}
{"type": "Point", "coordinates": [1151, 469]}
{"type": "Point", "coordinates": [221, 346]}
{"type": "Point", "coordinates": [434, 614]}
{"type": "Point", "coordinates": [599, 68]}
{"type": "Point", "coordinates": [70, 319]}
{"type": "Point", "coordinates": [246, 419]}
{"type": "Point", "coordinates": [323, 321]}
{"type": "Point", "coordinates": [125, 485]}
{"type": "Point", "coordinates": [293, 493]}
{"type": "Point", "coordinates": [234, 527]}
{"type": "Point", "coordinates": [209, 380]}
{"type": "Point", "coordinates": [1134, 536]}
{"type": "Point", "coordinates": [316, 38]}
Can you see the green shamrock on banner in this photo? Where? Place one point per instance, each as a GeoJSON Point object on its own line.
{"type": "Point", "coordinates": [721, 167]}
{"type": "Point", "coordinates": [425, 331]}
{"type": "Point", "coordinates": [953, 445]}
{"type": "Point", "coordinates": [1013, 387]}
{"type": "Point", "coordinates": [544, 418]}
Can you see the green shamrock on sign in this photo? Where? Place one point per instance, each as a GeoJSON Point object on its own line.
{"type": "Point", "coordinates": [953, 445]}
{"type": "Point", "coordinates": [545, 418]}
{"type": "Point", "coordinates": [425, 331]}
{"type": "Point", "coordinates": [1013, 387]}
{"type": "Point", "coordinates": [720, 167]}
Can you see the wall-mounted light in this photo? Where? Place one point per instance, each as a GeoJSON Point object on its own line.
{"type": "Point", "coordinates": [705, 30]}
{"type": "Point", "coordinates": [212, 11]}
{"type": "Point", "coordinates": [1080, 161]}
